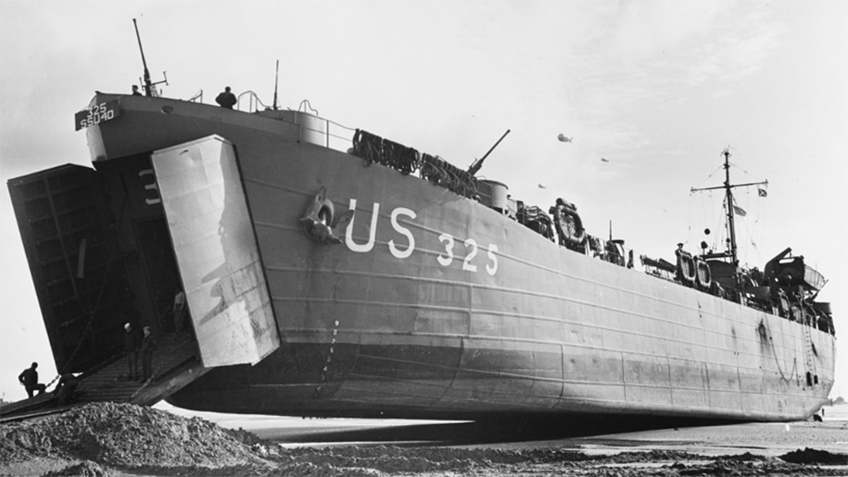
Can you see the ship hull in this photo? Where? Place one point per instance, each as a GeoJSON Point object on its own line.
{"type": "Point", "coordinates": [434, 306]}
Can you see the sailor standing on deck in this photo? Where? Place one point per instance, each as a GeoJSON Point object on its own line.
{"type": "Point", "coordinates": [179, 311]}
{"type": "Point", "coordinates": [226, 99]}
{"type": "Point", "coordinates": [131, 343]}
{"type": "Point", "coordinates": [146, 349]}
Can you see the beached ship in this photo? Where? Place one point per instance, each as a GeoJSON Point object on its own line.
{"type": "Point", "coordinates": [369, 279]}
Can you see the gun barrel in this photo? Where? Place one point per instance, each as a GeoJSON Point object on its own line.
{"type": "Point", "coordinates": [148, 86]}
{"type": "Point", "coordinates": [476, 165]}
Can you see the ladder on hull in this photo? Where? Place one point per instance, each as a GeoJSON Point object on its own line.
{"type": "Point", "coordinates": [812, 374]}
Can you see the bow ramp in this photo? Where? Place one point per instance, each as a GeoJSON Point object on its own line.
{"type": "Point", "coordinates": [116, 244]}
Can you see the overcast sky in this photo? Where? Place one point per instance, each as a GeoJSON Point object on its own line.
{"type": "Point", "coordinates": [655, 88]}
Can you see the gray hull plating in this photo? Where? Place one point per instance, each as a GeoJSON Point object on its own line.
{"type": "Point", "coordinates": [433, 305]}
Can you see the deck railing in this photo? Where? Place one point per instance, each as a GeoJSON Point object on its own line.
{"type": "Point", "coordinates": [336, 136]}
{"type": "Point", "coordinates": [313, 128]}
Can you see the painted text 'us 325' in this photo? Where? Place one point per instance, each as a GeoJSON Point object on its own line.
{"type": "Point", "coordinates": [447, 254]}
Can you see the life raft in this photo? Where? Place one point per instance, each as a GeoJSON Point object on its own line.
{"type": "Point", "coordinates": [569, 225]}
{"type": "Point", "coordinates": [686, 272]}
{"type": "Point", "coordinates": [703, 274]}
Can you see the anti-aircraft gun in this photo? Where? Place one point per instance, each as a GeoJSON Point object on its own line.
{"type": "Point", "coordinates": [793, 286]}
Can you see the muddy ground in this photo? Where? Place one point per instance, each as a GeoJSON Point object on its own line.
{"type": "Point", "coordinates": [126, 440]}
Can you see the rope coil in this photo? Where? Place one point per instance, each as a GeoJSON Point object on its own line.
{"type": "Point", "coordinates": [439, 172]}
{"type": "Point", "coordinates": [406, 160]}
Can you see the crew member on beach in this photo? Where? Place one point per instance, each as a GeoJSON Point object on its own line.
{"type": "Point", "coordinates": [29, 379]}
{"type": "Point", "coordinates": [226, 99]}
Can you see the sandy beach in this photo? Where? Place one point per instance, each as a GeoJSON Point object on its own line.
{"type": "Point", "coordinates": [126, 440]}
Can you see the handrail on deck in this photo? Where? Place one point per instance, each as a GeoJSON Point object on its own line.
{"type": "Point", "coordinates": [306, 106]}
{"type": "Point", "coordinates": [252, 103]}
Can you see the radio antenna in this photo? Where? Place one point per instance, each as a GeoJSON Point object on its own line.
{"type": "Point", "coordinates": [276, 81]}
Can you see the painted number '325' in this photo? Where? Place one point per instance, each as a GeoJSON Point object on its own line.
{"type": "Point", "coordinates": [472, 248]}
{"type": "Point", "coordinates": [446, 255]}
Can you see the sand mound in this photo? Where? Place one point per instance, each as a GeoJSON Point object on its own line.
{"type": "Point", "coordinates": [125, 435]}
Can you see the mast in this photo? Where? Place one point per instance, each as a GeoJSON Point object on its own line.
{"type": "Point", "coordinates": [728, 197]}
{"type": "Point", "coordinates": [148, 85]}
{"type": "Point", "coordinates": [731, 251]}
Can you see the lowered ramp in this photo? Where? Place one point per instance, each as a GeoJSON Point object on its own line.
{"type": "Point", "coordinates": [216, 250]}
{"type": "Point", "coordinates": [175, 364]}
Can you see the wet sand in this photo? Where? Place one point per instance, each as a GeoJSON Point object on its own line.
{"type": "Point", "coordinates": [765, 439]}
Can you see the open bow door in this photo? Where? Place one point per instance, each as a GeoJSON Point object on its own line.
{"type": "Point", "coordinates": [216, 251]}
